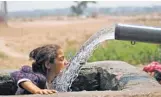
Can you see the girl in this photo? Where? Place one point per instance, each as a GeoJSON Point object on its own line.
{"type": "Point", "coordinates": [48, 62]}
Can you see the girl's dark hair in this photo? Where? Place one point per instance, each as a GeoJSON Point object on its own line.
{"type": "Point", "coordinates": [157, 75]}
{"type": "Point", "coordinates": [42, 54]}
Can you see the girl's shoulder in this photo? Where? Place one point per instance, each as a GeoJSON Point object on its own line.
{"type": "Point", "coordinates": [26, 72]}
{"type": "Point", "coordinates": [26, 69]}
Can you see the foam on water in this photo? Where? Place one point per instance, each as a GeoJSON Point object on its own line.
{"type": "Point", "coordinates": [63, 81]}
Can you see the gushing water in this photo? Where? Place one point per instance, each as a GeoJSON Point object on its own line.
{"type": "Point", "coordinates": [63, 81]}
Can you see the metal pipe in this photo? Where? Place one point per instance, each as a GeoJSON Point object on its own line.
{"type": "Point", "coordinates": [137, 33]}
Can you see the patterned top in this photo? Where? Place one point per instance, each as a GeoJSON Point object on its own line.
{"type": "Point", "coordinates": [26, 73]}
{"type": "Point", "coordinates": [153, 66]}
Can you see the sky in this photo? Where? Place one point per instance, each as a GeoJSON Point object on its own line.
{"type": "Point", "coordinates": [33, 5]}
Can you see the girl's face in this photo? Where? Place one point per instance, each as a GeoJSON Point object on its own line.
{"type": "Point", "coordinates": [59, 63]}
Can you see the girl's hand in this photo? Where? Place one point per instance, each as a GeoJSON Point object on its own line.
{"type": "Point", "coordinates": [32, 88]}
{"type": "Point", "coordinates": [45, 91]}
{"type": "Point", "coordinates": [151, 74]}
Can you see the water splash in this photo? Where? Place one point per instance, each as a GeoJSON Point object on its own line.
{"type": "Point", "coordinates": [63, 81]}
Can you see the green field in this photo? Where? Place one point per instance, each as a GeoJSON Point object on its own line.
{"type": "Point", "coordinates": [140, 53]}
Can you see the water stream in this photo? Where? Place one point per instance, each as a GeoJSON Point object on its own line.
{"type": "Point", "coordinates": [63, 81]}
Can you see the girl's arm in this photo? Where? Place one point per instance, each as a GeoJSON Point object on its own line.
{"type": "Point", "coordinates": [29, 86]}
{"type": "Point", "coordinates": [30, 81]}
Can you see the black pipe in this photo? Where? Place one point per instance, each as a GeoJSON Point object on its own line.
{"type": "Point", "coordinates": [137, 33]}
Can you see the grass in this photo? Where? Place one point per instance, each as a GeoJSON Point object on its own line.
{"type": "Point", "coordinates": [140, 53]}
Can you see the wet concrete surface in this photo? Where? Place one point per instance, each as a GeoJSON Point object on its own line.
{"type": "Point", "coordinates": [153, 92]}
{"type": "Point", "coordinates": [133, 82]}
